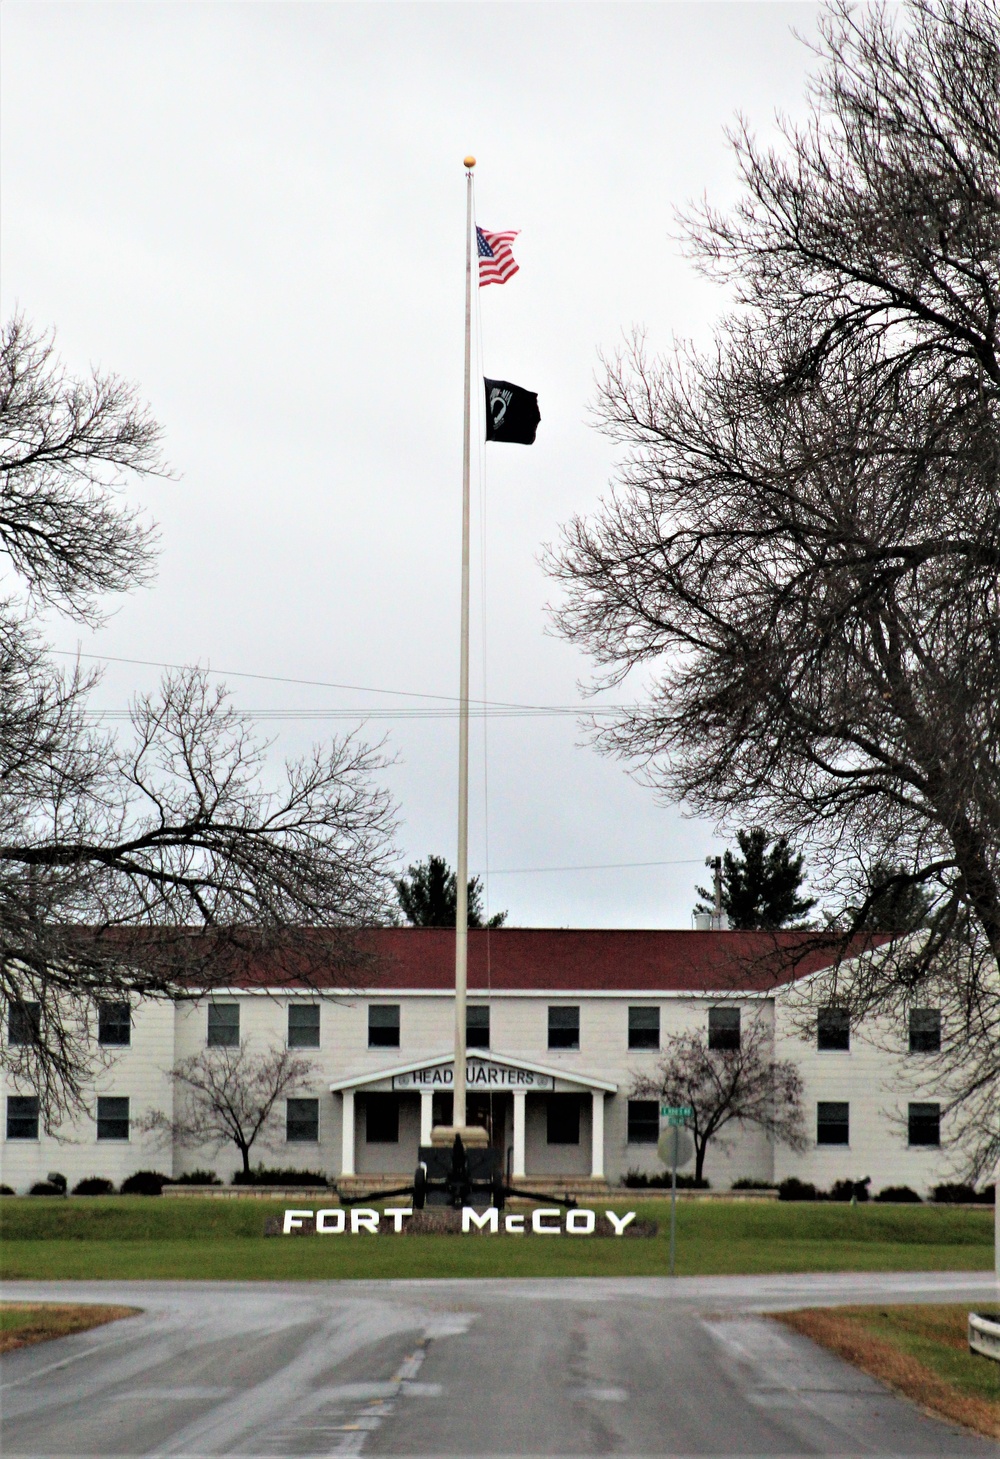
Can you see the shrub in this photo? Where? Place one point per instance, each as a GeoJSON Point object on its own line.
{"type": "Point", "coordinates": [59, 1181]}
{"type": "Point", "coordinates": [639, 1180]}
{"type": "Point", "coordinates": [961, 1195]}
{"type": "Point", "coordinates": [93, 1185]}
{"type": "Point", "coordinates": [746, 1184]}
{"type": "Point", "coordinates": [144, 1183]}
{"type": "Point", "coordinates": [263, 1176]}
{"type": "Point", "coordinates": [7, 1190]}
{"type": "Point", "coordinates": [898, 1194]}
{"type": "Point", "coordinates": [955, 1195]}
{"type": "Point", "coordinates": [45, 1188]}
{"type": "Point", "coordinates": [794, 1189]}
{"type": "Point", "coordinates": [850, 1190]}
{"type": "Point", "coordinates": [197, 1177]}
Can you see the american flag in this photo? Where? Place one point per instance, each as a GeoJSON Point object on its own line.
{"type": "Point", "coordinates": [496, 262]}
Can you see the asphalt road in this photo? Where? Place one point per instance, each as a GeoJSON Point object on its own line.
{"type": "Point", "coordinates": [627, 1366]}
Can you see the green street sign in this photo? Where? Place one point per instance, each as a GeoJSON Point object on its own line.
{"type": "Point", "coordinates": [675, 1114]}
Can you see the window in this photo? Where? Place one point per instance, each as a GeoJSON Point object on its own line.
{"type": "Point", "coordinates": [22, 1117]}
{"type": "Point", "coordinates": [302, 1120]}
{"type": "Point", "coordinates": [925, 1031]}
{"type": "Point", "coordinates": [833, 1029]}
{"type": "Point", "coordinates": [563, 1118]}
{"type": "Point", "coordinates": [114, 1023]}
{"type": "Point", "coordinates": [112, 1118]}
{"type": "Point", "coordinates": [564, 1030]}
{"type": "Point", "coordinates": [924, 1124]}
{"type": "Point", "coordinates": [723, 1028]}
{"type": "Point", "coordinates": [643, 1121]}
{"type": "Point", "coordinates": [303, 1026]}
{"type": "Point", "coordinates": [382, 1119]}
{"type": "Point", "coordinates": [24, 1022]}
{"type": "Point", "coordinates": [477, 1026]}
{"type": "Point", "coordinates": [833, 1124]}
{"type": "Point", "coordinates": [644, 1028]}
{"type": "Point", "coordinates": [383, 1026]}
{"type": "Point", "coordinates": [223, 1025]}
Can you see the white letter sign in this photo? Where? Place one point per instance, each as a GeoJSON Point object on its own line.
{"type": "Point", "coordinates": [294, 1219]}
{"type": "Point", "coordinates": [490, 1218]}
{"type": "Point", "coordinates": [620, 1222]}
{"type": "Point", "coordinates": [324, 1227]}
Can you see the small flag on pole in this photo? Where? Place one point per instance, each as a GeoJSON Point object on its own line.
{"type": "Point", "coordinates": [496, 262]}
{"type": "Point", "coordinates": [511, 413]}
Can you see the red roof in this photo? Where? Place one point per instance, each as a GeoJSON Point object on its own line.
{"type": "Point", "coordinates": [567, 959]}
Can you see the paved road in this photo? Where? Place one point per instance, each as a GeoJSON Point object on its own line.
{"type": "Point", "coordinates": [629, 1366]}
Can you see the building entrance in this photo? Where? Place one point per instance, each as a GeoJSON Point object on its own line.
{"type": "Point", "coordinates": [493, 1111]}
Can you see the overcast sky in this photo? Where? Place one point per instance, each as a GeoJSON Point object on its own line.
{"type": "Point", "coordinates": [257, 213]}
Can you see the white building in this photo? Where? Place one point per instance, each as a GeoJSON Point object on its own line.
{"type": "Point", "coordinates": [561, 1022]}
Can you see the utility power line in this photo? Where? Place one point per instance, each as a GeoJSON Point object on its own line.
{"type": "Point", "coordinates": [597, 866]}
{"type": "Point", "coordinates": [477, 705]}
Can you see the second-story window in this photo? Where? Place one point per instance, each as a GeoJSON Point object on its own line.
{"type": "Point", "coordinates": [833, 1029]}
{"type": "Point", "coordinates": [303, 1025]}
{"type": "Point", "coordinates": [114, 1024]}
{"type": "Point", "coordinates": [723, 1028]}
{"type": "Point", "coordinates": [644, 1028]}
{"type": "Point", "coordinates": [223, 1025]}
{"type": "Point", "coordinates": [477, 1026]}
{"type": "Point", "coordinates": [564, 1027]}
{"type": "Point", "coordinates": [24, 1022]}
{"type": "Point", "coordinates": [925, 1030]}
{"type": "Point", "coordinates": [383, 1025]}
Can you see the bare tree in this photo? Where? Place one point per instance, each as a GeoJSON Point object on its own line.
{"type": "Point", "coordinates": [156, 861]}
{"type": "Point", "coordinates": [726, 1086]}
{"type": "Point", "coordinates": [802, 551]}
{"type": "Point", "coordinates": [229, 1097]}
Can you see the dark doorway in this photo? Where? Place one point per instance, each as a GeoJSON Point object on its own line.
{"type": "Point", "coordinates": [490, 1111]}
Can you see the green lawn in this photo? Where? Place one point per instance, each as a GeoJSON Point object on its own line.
{"type": "Point", "coordinates": [919, 1350]}
{"type": "Point", "coordinates": [134, 1237]}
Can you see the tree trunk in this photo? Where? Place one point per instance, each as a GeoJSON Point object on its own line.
{"type": "Point", "coordinates": [245, 1152]}
{"type": "Point", "coordinates": [700, 1151]}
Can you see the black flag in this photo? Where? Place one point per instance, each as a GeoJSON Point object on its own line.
{"type": "Point", "coordinates": [511, 413]}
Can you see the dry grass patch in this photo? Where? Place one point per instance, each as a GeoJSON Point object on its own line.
{"type": "Point", "coordinates": [920, 1351]}
{"type": "Point", "coordinates": [24, 1323]}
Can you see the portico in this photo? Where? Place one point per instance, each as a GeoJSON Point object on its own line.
{"type": "Point", "coordinates": [510, 1094]}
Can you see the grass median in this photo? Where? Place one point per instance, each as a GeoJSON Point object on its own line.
{"type": "Point", "coordinates": [921, 1351]}
{"type": "Point", "coordinates": [136, 1237]}
{"type": "Point", "coordinates": [24, 1323]}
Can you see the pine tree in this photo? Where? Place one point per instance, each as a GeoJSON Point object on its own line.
{"type": "Point", "coordinates": [429, 892]}
{"type": "Point", "coordinates": [760, 888]}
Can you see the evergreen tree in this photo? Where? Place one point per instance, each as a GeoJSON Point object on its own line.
{"type": "Point", "coordinates": [760, 888]}
{"type": "Point", "coordinates": [429, 892]}
{"type": "Point", "coordinates": [892, 902]}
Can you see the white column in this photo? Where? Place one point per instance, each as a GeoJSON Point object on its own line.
{"type": "Point", "coordinates": [347, 1134]}
{"type": "Point", "coordinates": [519, 1097]}
{"type": "Point", "coordinates": [426, 1116]}
{"type": "Point", "coordinates": [597, 1135]}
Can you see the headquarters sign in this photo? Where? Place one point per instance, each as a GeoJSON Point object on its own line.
{"type": "Point", "coordinates": [480, 1074]}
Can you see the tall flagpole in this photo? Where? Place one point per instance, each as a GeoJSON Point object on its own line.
{"type": "Point", "coordinates": [462, 870]}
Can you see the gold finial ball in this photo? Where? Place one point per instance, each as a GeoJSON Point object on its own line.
{"type": "Point", "coordinates": [469, 162]}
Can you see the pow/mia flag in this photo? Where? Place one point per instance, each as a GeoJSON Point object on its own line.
{"type": "Point", "coordinates": [511, 413]}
